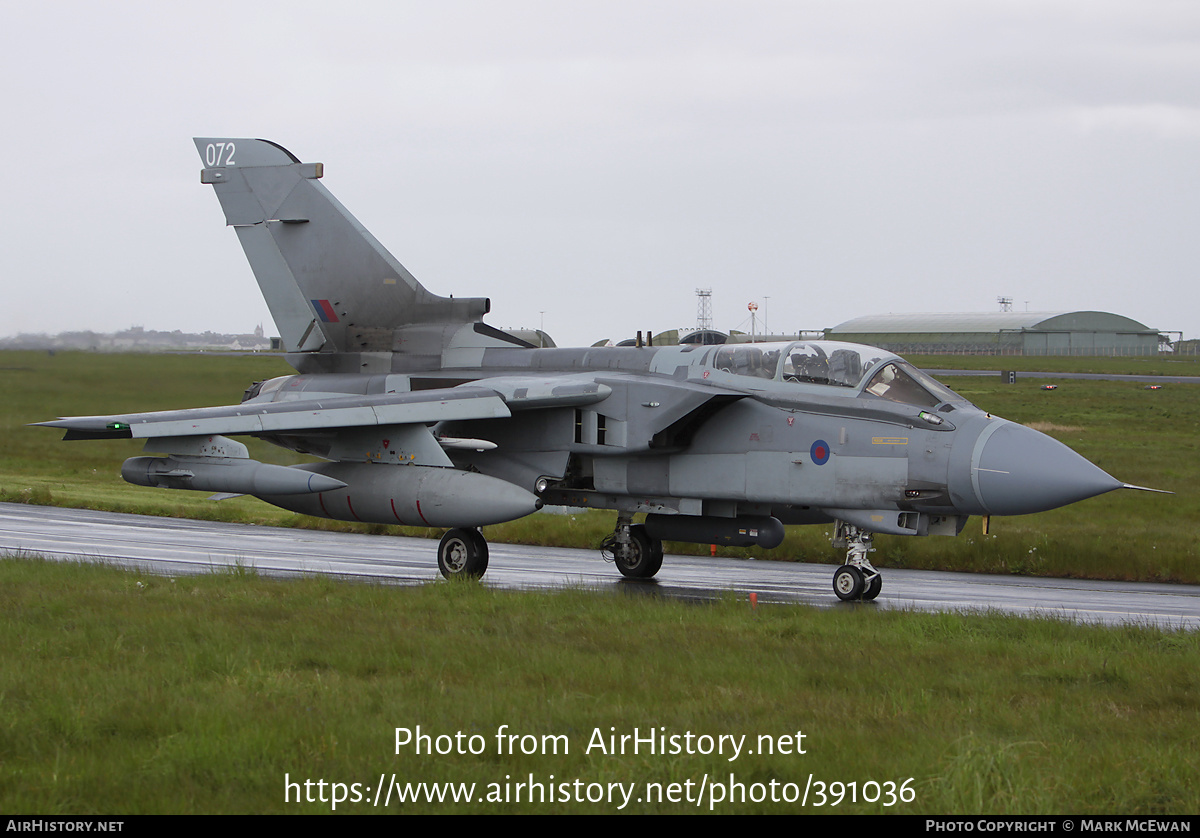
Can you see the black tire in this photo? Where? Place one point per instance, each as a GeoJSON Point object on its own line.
{"type": "Point", "coordinates": [646, 555]}
{"type": "Point", "coordinates": [847, 583]}
{"type": "Point", "coordinates": [480, 544]}
{"type": "Point", "coordinates": [462, 554]}
{"type": "Point", "coordinates": [872, 588]}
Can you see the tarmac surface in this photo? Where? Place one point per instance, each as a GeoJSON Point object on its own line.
{"type": "Point", "coordinates": [171, 546]}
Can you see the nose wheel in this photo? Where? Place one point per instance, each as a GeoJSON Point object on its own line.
{"type": "Point", "coordinates": [873, 587]}
{"type": "Point", "coordinates": [857, 579]}
{"type": "Point", "coordinates": [847, 582]}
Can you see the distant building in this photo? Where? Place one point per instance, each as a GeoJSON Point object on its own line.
{"type": "Point", "coordinates": [536, 337]}
{"type": "Point", "coordinates": [1002, 333]}
{"type": "Point", "coordinates": [705, 337]}
{"type": "Point", "coordinates": [139, 339]}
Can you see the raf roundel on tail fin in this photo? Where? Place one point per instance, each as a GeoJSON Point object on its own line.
{"type": "Point", "coordinates": [341, 301]}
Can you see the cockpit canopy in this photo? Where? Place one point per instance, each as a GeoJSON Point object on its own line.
{"type": "Point", "coordinates": [809, 362]}
{"type": "Point", "coordinates": [867, 369]}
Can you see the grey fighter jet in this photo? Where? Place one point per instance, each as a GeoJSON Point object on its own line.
{"type": "Point", "coordinates": [423, 414]}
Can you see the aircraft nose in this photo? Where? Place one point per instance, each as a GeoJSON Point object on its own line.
{"type": "Point", "coordinates": [1020, 471]}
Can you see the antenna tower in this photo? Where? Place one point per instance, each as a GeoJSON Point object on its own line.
{"type": "Point", "coordinates": [703, 309]}
{"type": "Point", "coordinates": [1005, 303]}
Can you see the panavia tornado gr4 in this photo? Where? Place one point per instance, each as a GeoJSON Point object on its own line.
{"type": "Point", "coordinates": [425, 415]}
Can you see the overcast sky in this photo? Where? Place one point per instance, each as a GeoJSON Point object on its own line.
{"type": "Point", "coordinates": [593, 163]}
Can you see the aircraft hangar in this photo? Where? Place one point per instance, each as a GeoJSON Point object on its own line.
{"type": "Point", "coordinates": [1002, 333]}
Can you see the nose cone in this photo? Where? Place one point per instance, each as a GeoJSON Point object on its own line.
{"type": "Point", "coordinates": [1020, 471]}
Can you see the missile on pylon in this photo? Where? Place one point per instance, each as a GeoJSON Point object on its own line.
{"type": "Point", "coordinates": [225, 474]}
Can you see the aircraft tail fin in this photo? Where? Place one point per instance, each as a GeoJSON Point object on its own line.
{"type": "Point", "coordinates": [332, 288]}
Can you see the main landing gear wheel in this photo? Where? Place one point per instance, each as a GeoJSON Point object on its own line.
{"type": "Point", "coordinates": [848, 583]}
{"type": "Point", "coordinates": [640, 557]}
{"type": "Point", "coordinates": [463, 554]}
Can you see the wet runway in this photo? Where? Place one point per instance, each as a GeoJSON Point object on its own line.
{"type": "Point", "coordinates": [175, 546]}
{"type": "Point", "coordinates": [1077, 376]}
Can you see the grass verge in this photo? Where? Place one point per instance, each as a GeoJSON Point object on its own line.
{"type": "Point", "coordinates": [124, 693]}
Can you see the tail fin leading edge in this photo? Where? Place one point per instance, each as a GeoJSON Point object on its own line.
{"type": "Point", "coordinates": [330, 285]}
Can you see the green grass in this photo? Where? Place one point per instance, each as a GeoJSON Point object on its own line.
{"type": "Point", "coordinates": [1144, 437]}
{"type": "Point", "coordinates": [126, 693]}
{"type": "Point", "coordinates": [1142, 365]}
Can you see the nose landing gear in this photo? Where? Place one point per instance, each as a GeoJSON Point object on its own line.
{"type": "Point", "coordinates": [857, 579]}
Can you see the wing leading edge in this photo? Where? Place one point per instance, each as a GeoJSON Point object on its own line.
{"type": "Point", "coordinates": [306, 414]}
{"type": "Point", "coordinates": [494, 399]}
